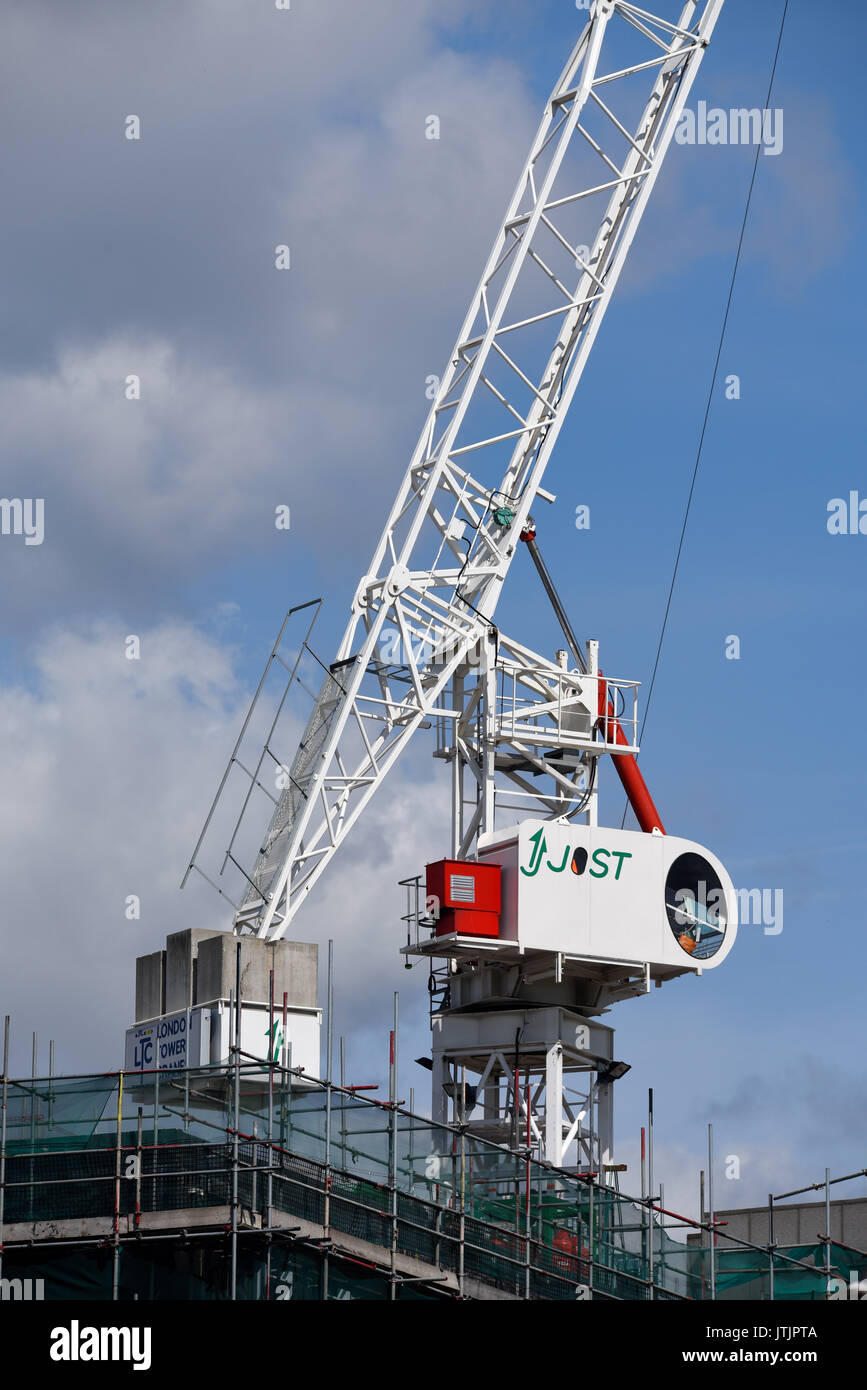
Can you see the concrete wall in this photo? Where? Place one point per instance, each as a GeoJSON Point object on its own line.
{"type": "Point", "coordinates": [295, 966]}
{"type": "Point", "coordinates": [181, 952]}
{"type": "Point", "coordinates": [150, 986]}
{"type": "Point", "coordinates": [799, 1223]}
{"type": "Point", "coordinates": [198, 966]}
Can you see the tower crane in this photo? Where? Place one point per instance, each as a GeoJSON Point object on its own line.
{"type": "Point", "coordinates": [518, 730]}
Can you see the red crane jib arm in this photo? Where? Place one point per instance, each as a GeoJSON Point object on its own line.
{"type": "Point", "coordinates": [627, 768]}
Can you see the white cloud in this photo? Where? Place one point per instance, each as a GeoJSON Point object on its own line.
{"type": "Point", "coordinates": [109, 767]}
{"type": "Point", "coordinates": [805, 211]}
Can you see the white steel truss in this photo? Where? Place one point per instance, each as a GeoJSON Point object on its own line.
{"type": "Point", "coordinates": [555, 1094]}
{"type": "Point", "coordinates": [439, 567]}
{"type": "Point", "coordinates": [526, 718]}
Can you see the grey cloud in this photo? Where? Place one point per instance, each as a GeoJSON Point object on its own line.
{"type": "Point", "coordinates": [809, 1096]}
{"type": "Point", "coordinates": [174, 233]}
{"type": "Point", "coordinates": [156, 257]}
{"type": "Point", "coordinates": [139, 494]}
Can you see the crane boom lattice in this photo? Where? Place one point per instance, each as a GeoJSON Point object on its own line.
{"type": "Point", "coordinates": [430, 594]}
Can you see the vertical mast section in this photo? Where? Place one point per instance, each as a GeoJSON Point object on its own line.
{"type": "Point", "coordinates": [438, 569]}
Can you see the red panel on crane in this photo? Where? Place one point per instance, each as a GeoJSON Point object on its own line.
{"type": "Point", "coordinates": [468, 894]}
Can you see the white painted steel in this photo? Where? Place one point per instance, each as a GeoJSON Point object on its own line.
{"type": "Point", "coordinates": [612, 907]}
{"type": "Point", "coordinates": [439, 567]}
{"type": "Point", "coordinates": [557, 1053]}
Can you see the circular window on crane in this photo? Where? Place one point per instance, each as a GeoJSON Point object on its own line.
{"type": "Point", "coordinates": [696, 906]}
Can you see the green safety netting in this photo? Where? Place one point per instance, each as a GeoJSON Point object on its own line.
{"type": "Point", "coordinates": [164, 1271]}
{"type": "Point", "coordinates": [57, 1114]}
{"type": "Point", "coordinates": [460, 1202]}
{"type": "Point", "coordinates": [746, 1274]}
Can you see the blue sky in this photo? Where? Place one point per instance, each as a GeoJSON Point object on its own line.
{"type": "Point", "coordinates": [308, 389]}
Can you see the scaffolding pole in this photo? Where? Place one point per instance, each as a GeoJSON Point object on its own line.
{"type": "Point", "coordinates": [711, 1214]}
{"type": "Point", "coordinates": [138, 1168]}
{"type": "Point", "coordinates": [3, 1102]}
{"type": "Point", "coordinates": [650, 1189]}
{"type": "Point", "coordinates": [828, 1225]}
{"type": "Point", "coordinates": [329, 1036]}
{"type": "Point", "coordinates": [272, 1049]}
{"type": "Point", "coordinates": [115, 1263]}
{"type": "Point", "coordinates": [236, 1109]}
{"type": "Point", "coordinates": [771, 1247]}
{"type": "Point", "coordinates": [392, 1147]}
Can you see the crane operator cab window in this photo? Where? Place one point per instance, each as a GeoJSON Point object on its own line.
{"type": "Point", "coordinates": [696, 906]}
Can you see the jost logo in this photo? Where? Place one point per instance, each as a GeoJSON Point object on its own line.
{"type": "Point", "coordinates": [600, 862]}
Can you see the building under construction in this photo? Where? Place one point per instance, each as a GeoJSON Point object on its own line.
{"type": "Point", "coordinates": [249, 1179]}
{"type": "Point", "coordinates": [252, 1184]}
{"type": "Point", "coordinates": [223, 1161]}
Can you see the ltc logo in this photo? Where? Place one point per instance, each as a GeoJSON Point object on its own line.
{"type": "Point", "coordinates": [599, 859]}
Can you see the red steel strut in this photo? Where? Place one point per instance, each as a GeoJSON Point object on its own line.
{"type": "Point", "coordinates": [625, 763]}
{"type": "Point", "coordinates": [626, 767]}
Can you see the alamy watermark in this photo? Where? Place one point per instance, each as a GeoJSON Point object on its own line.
{"type": "Point", "coordinates": [847, 516]}
{"type": "Point", "coordinates": [738, 126]}
{"type": "Point", "coordinates": [757, 907]}
{"type": "Point", "coordinates": [77, 1343]}
{"type": "Point", "coordinates": [23, 516]}
{"type": "Point", "coordinates": [25, 1290]}
{"type": "Point", "coordinates": [422, 651]}
{"type": "Point", "coordinates": [856, 1289]}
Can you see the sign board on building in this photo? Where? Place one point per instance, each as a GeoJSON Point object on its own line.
{"type": "Point", "coordinates": [200, 1036]}
{"type": "Point", "coordinates": [166, 1044]}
